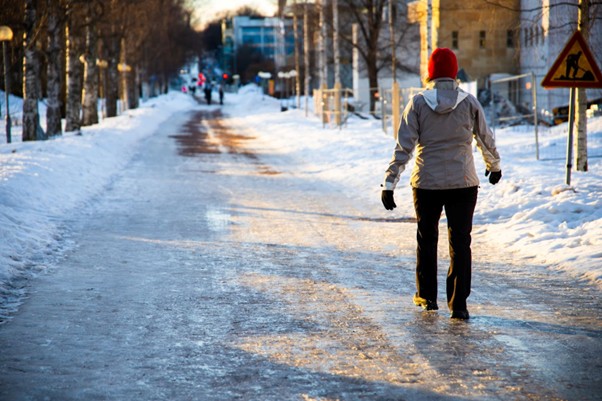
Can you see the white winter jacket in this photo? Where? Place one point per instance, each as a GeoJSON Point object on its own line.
{"type": "Point", "coordinates": [440, 123]}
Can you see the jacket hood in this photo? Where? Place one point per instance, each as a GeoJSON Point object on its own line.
{"type": "Point", "coordinates": [443, 95]}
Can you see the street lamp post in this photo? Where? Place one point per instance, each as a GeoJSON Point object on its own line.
{"type": "Point", "coordinates": [6, 35]}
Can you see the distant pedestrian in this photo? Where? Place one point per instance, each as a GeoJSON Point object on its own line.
{"type": "Point", "coordinates": [208, 89]}
{"type": "Point", "coordinates": [440, 123]}
{"type": "Point", "coordinates": [221, 93]}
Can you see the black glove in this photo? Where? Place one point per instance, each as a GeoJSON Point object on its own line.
{"type": "Point", "coordinates": [495, 176]}
{"type": "Point", "coordinates": [387, 197]}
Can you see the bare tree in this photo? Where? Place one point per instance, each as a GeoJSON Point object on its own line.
{"type": "Point", "coordinates": [75, 70]}
{"type": "Point", "coordinates": [62, 37]}
{"type": "Point", "coordinates": [372, 23]}
{"type": "Point", "coordinates": [93, 11]}
{"type": "Point", "coordinates": [31, 75]}
{"type": "Point", "coordinates": [160, 49]}
{"type": "Point", "coordinates": [55, 29]}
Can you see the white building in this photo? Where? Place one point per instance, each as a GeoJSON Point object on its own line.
{"type": "Point", "coordinates": [544, 33]}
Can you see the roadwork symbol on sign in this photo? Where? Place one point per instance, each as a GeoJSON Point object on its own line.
{"type": "Point", "coordinates": [575, 67]}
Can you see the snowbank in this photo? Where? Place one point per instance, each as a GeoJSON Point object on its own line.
{"type": "Point", "coordinates": [42, 182]}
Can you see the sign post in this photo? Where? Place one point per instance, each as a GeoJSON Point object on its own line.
{"type": "Point", "coordinates": [569, 140]}
{"type": "Point", "coordinates": [574, 68]}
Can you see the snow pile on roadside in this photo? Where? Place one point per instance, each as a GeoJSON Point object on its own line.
{"type": "Point", "coordinates": [529, 213]}
{"type": "Point", "coordinates": [42, 182]}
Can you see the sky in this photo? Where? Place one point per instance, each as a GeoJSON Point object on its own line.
{"type": "Point", "coordinates": [205, 10]}
{"type": "Point", "coordinates": [530, 213]}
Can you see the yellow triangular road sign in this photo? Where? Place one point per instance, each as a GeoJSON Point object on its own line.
{"type": "Point", "coordinates": [575, 67]}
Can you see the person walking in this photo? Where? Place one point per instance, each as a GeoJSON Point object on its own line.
{"type": "Point", "coordinates": [220, 91]}
{"type": "Point", "coordinates": [440, 123]}
{"type": "Point", "coordinates": [208, 89]}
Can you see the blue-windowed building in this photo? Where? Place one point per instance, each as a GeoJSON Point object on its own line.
{"type": "Point", "coordinates": [272, 37]}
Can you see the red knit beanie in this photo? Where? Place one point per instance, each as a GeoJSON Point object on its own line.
{"type": "Point", "coordinates": [443, 64]}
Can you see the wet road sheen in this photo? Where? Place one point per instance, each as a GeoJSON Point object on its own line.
{"type": "Point", "coordinates": [212, 270]}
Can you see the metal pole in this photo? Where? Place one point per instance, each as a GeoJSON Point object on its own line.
{"type": "Point", "coordinates": [307, 77]}
{"type": "Point", "coordinates": [492, 108]}
{"type": "Point", "coordinates": [383, 111]}
{"type": "Point", "coordinates": [512, 78]}
{"type": "Point", "coordinates": [535, 120]}
{"type": "Point", "coordinates": [297, 69]}
{"type": "Point", "coordinates": [6, 91]}
{"type": "Point", "coordinates": [392, 35]}
{"type": "Point", "coordinates": [337, 62]}
{"type": "Point", "coordinates": [569, 143]}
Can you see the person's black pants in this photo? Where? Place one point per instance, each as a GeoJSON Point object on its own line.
{"type": "Point", "coordinates": [459, 207]}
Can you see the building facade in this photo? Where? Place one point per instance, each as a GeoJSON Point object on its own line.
{"type": "Point", "coordinates": [483, 36]}
{"type": "Point", "coordinates": [505, 38]}
{"type": "Point", "coordinates": [547, 26]}
{"type": "Point", "coordinates": [272, 37]}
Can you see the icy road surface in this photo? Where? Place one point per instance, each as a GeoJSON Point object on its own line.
{"type": "Point", "coordinates": [205, 273]}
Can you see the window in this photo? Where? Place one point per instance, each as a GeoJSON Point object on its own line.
{"type": "Point", "coordinates": [482, 37]}
{"type": "Point", "coordinates": [269, 38]}
{"type": "Point", "coordinates": [251, 30]}
{"type": "Point", "coordinates": [454, 40]}
{"type": "Point", "coordinates": [251, 35]}
{"type": "Point", "coordinates": [251, 39]}
{"type": "Point", "coordinates": [510, 39]}
{"type": "Point", "coordinates": [532, 38]}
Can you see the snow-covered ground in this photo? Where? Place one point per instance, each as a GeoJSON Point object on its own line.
{"type": "Point", "coordinates": [530, 213]}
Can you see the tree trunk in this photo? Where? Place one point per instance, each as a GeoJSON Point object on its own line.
{"type": "Point", "coordinates": [112, 76]}
{"type": "Point", "coordinates": [31, 77]}
{"type": "Point", "coordinates": [74, 76]}
{"type": "Point", "coordinates": [125, 84]}
{"type": "Point", "coordinates": [322, 47]}
{"type": "Point", "coordinates": [373, 82]}
{"type": "Point", "coordinates": [90, 104]}
{"type": "Point", "coordinates": [581, 128]}
{"type": "Point", "coordinates": [335, 42]}
{"type": "Point", "coordinates": [133, 85]}
{"type": "Point", "coordinates": [581, 103]}
{"type": "Point", "coordinates": [369, 21]}
{"type": "Point", "coordinates": [55, 73]}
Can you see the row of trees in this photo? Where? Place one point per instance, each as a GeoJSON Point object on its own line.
{"type": "Point", "coordinates": [72, 52]}
{"type": "Point", "coordinates": [325, 29]}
